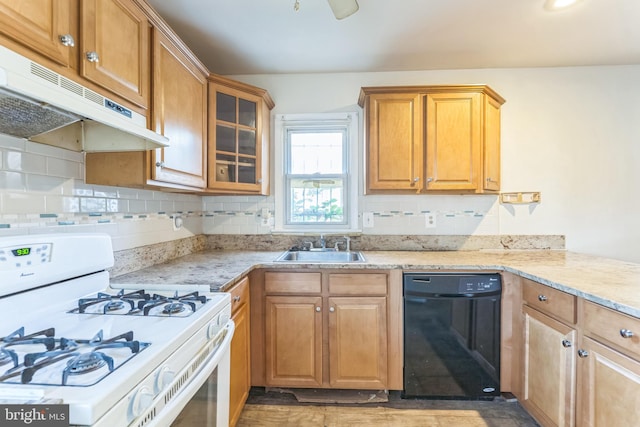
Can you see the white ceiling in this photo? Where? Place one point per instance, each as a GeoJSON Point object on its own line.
{"type": "Point", "coordinates": [269, 37]}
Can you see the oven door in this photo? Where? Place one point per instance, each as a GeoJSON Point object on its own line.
{"type": "Point", "coordinates": [204, 401]}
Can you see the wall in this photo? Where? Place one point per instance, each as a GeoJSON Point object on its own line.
{"type": "Point", "coordinates": [42, 190]}
{"type": "Point", "coordinates": [570, 133]}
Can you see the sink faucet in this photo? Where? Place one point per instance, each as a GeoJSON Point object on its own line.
{"type": "Point", "coordinates": [323, 242]}
{"type": "Point", "coordinates": [346, 243]}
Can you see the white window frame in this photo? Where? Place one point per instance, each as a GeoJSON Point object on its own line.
{"type": "Point", "coordinates": [285, 122]}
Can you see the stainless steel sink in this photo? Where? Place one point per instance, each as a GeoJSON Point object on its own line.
{"type": "Point", "coordinates": [321, 256]}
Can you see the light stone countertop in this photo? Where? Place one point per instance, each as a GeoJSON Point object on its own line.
{"type": "Point", "coordinates": [612, 283]}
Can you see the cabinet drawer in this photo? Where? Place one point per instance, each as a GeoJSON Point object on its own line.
{"type": "Point", "coordinates": [611, 326]}
{"type": "Point", "coordinates": [239, 295]}
{"type": "Point", "coordinates": [297, 283]}
{"type": "Point", "coordinates": [358, 284]}
{"type": "Point", "coordinates": [551, 301]}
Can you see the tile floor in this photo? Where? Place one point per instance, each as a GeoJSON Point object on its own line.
{"type": "Point", "coordinates": [282, 410]}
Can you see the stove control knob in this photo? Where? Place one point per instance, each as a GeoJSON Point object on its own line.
{"type": "Point", "coordinates": [164, 378]}
{"type": "Point", "coordinates": [213, 329]}
{"type": "Point", "coordinates": [224, 319]}
{"type": "Point", "coordinates": [141, 401]}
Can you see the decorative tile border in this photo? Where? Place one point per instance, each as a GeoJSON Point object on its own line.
{"type": "Point", "coordinates": [22, 221]}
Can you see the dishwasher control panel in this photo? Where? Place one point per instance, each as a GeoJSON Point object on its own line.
{"type": "Point", "coordinates": [451, 284]}
{"type": "Point", "coordinates": [478, 284]}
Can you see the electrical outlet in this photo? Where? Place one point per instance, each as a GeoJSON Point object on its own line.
{"type": "Point", "coordinates": [430, 220]}
{"type": "Point", "coordinates": [367, 219]}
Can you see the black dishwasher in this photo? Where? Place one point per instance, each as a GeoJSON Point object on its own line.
{"type": "Point", "coordinates": [451, 335]}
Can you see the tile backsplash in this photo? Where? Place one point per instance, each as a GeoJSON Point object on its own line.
{"type": "Point", "coordinates": [42, 190]}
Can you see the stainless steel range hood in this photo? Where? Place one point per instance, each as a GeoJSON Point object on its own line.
{"type": "Point", "coordinates": [43, 106]}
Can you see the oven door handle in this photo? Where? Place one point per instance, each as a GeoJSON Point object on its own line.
{"type": "Point", "coordinates": [220, 357]}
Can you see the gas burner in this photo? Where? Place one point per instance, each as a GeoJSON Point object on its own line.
{"type": "Point", "coordinates": [173, 308]}
{"type": "Point", "coordinates": [85, 363]}
{"type": "Point", "coordinates": [107, 303]}
{"type": "Point", "coordinates": [113, 306]}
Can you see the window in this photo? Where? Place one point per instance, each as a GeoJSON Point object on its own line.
{"type": "Point", "coordinates": [317, 190]}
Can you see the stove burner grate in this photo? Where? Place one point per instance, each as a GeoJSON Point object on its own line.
{"type": "Point", "coordinates": [172, 305]}
{"type": "Point", "coordinates": [85, 355]}
{"type": "Point", "coordinates": [113, 302]}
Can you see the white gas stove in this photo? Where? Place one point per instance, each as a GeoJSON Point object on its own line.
{"type": "Point", "coordinates": [118, 356]}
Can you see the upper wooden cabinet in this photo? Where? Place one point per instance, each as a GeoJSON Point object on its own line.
{"type": "Point", "coordinates": [115, 53]}
{"type": "Point", "coordinates": [44, 26]}
{"type": "Point", "coordinates": [432, 138]}
{"type": "Point", "coordinates": [102, 44]}
{"type": "Point", "coordinates": [239, 123]}
{"type": "Point", "coordinates": [180, 114]}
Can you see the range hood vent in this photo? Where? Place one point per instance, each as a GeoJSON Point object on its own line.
{"type": "Point", "coordinates": [41, 105]}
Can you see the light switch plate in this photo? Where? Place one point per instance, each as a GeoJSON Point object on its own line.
{"type": "Point", "coordinates": [367, 219]}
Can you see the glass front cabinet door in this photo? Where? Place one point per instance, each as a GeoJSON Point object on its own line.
{"type": "Point", "coordinates": [239, 117]}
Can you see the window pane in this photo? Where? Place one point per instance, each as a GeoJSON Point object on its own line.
{"type": "Point", "coordinates": [225, 139]}
{"type": "Point", "coordinates": [317, 200]}
{"type": "Point", "coordinates": [247, 170]}
{"type": "Point", "coordinates": [247, 113]}
{"type": "Point", "coordinates": [313, 152]}
{"type": "Point", "coordinates": [247, 142]}
{"type": "Point", "coordinates": [226, 107]}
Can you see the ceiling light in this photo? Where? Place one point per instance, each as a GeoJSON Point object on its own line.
{"type": "Point", "coordinates": [343, 8]}
{"type": "Point", "coordinates": [559, 4]}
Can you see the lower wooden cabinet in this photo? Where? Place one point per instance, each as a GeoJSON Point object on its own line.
{"type": "Point", "coordinates": [358, 342]}
{"type": "Point", "coordinates": [328, 330]}
{"type": "Point", "coordinates": [240, 351]}
{"type": "Point", "coordinates": [580, 361]}
{"type": "Point", "coordinates": [293, 336]}
{"type": "Point", "coordinates": [549, 369]}
{"type": "Point", "coordinates": [609, 390]}
{"type": "Point", "coordinates": [609, 369]}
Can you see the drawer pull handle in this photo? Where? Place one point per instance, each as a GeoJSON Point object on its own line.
{"type": "Point", "coordinates": [626, 333]}
{"type": "Point", "coordinates": [236, 298]}
{"type": "Point", "coordinates": [542, 298]}
{"type": "Point", "coordinates": [566, 343]}
{"type": "Point", "coordinates": [583, 353]}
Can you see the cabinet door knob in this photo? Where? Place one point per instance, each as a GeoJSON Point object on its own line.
{"type": "Point", "coordinates": [332, 309]}
{"type": "Point", "coordinates": [93, 57]}
{"type": "Point", "coordinates": [416, 179]}
{"type": "Point", "coordinates": [583, 353]}
{"type": "Point", "coordinates": [67, 40]}
{"type": "Point", "coordinates": [566, 343]}
{"type": "Point", "coordinates": [542, 298]}
{"type": "Point", "coordinates": [260, 181]}
{"type": "Point", "coordinates": [318, 309]}
{"type": "Point", "coordinates": [626, 333]}
{"type": "Point", "coordinates": [430, 179]}
{"type": "Point", "coordinates": [160, 164]}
